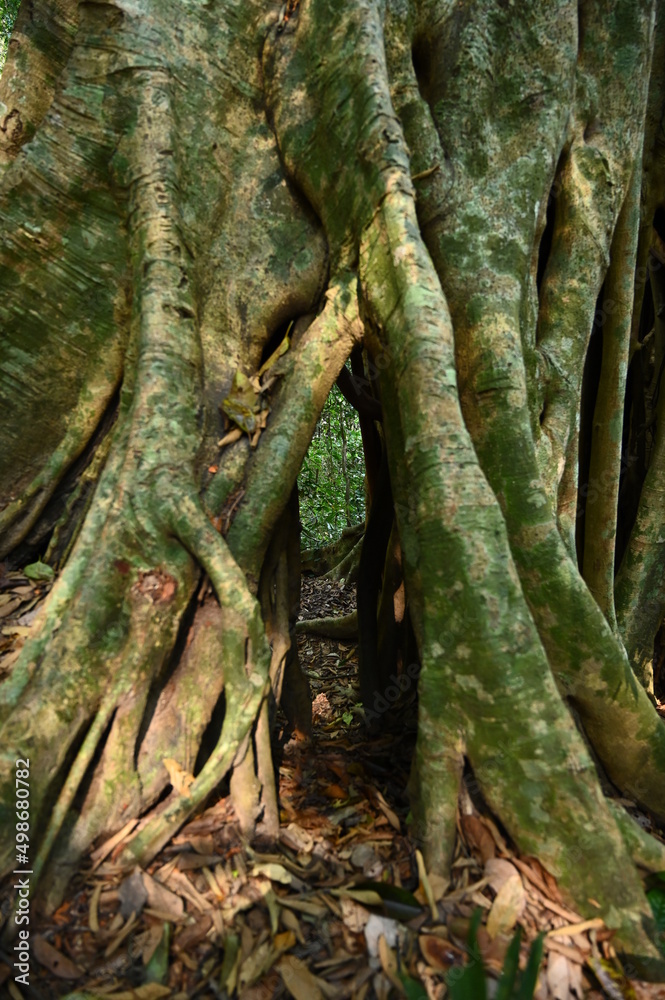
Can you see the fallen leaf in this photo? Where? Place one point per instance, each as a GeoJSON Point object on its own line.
{"type": "Point", "coordinates": [439, 953]}
{"type": "Point", "coordinates": [497, 871]}
{"type": "Point", "coordinates": [296, 838]}
{"type": "Point", "coordinates": [478, 837]}
{"type": "Point", "coordinates": [392, 817]}
{"type": "Point", "coordinates": [132, 894]}
{"type": "Point", "coordinates": [93, 910]}
{"type": "Point", "coordinates": [120, 936]}
{"type": "Point", "coordinates": [162, 899]}
{"type": "Point", "coordinates": [507, 907]}
{"type": "Point", "coordinates": [256, 963]}
{"type": "Point", "coordinates": [233, 435]}
{"type": "Point", "coordinates": [425, 885]}
{"type": "Point", "coordinates": [388, 963]}
{"type": "Point", "coordinates": [291, 922]}
{"type": "Point", "coordinates": [273, 871]}
{"type": "Point", "coordinates": [151, 940]}
{"type": "Point", "coordinates": [595, 923]}
{"type": "Point", "coordinates": [7, 608]}
{"type": "Point", "coordinates": [299, 981]}
{"type": "Point", "coordinates": [181, 779]}
{"type": "Point", "coordinates": [149, 991]}
{"type": "Point", "coordinates": [103, 852]}
{"type": "Point", "coordinates": [184, 887]}
{"type": "Point", "coordinates": [303, 906]}
{"type": "Point", "coordinates": [354, 916]}
{"type": "Point", "coordinates": [364, 857]}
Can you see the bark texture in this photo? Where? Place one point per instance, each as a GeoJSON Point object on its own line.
{"type": "Point", "coordinates": [206, 210]}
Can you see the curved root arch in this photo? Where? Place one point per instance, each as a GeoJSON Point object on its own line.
{"type": "Point", "coordinates": [433, 239]}
{"type": "Point", "coordinates": [489, 657]}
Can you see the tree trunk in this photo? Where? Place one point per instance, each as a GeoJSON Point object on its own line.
{"type": "Point", "coordinates": [189, 179]}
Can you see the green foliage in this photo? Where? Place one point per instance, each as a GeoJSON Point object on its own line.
{"type": "Point", "coordinates": [39, 571]}
{"type": "Point", "coordinates": [8, 12]}
{"type": "Point", "coordinates": [330, 498]}
{"type": "Point", "coordinates": [472, 982]}
{"type": "Point", "coordinates": [656, 897]}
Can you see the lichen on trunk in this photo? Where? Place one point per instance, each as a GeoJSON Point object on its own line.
{"type": "Point", "coordinates": [197, 178]}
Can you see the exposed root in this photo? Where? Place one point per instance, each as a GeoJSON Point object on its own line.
{"type": "Point", "coordinates": [647, 852]}
{"type": "Point", "coordinates": [246, 674]}
{"type": "Point", "coordinates": [484, 671]}
{"type": "Point", "coordinates": [343, 627]}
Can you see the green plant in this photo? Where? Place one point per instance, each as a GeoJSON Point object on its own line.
{"type": "Point", "coordinates": [656, 897]}
{"type": "Point", "coordinates": [8, 12]}
{"type": "Point", "coordinates": [331, 480]}
{"type": "Point", "coordinates": [472, 982]}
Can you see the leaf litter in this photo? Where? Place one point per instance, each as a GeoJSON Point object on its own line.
{"type": "Point", "coordinates": [341, 908]}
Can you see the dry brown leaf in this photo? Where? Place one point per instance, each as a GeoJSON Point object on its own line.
{"type": "Point", "coordinates": [299, 981]}
{"type": "Point", "coordinates": [438, 884]}
{"type": "Point", "coordinates": [273, 871]}
{"type": "Point", "coordinates": [212, 882]}
{"type": "Point", "coordinates": [368, 897]}
{"type": "Point", "coordinates": [162, 899]}
{"type": "Point", "coordinates": [182, 885]}
{"type": "Point", "coordinates": [497, 871]}
{"type": "Point", "coordinates": [11, 658]}
{"type": "Point", "coordinates": [508, 906]}
{"type": "Point", "coordinates": [103, 852]}
{"type": "Point", "coordinates": [541, 878]}
{"type": "Point", "coordinates": [596, 923]}
{"type": "Point", "coordinates": [389, 963]}
{"type": "Point", "coordinates": [382, 986]}
{"type": "Point", "coordinates": [181, 779]}
{"type": "Point", "coordinates": [425, 885]}
{"type": "Point", "coordinates": [438, 952]}
{"type": "Point", "coordinates": [296, 838]}
{"type": "Point", "coordinates": [149, 991]}
{"type": "Point", "coordinates": [378, 929]}
{"type": "Point", "coordinates": [54, 960]}
{"type": "Point", "coordinates": [202, 843]}
{"type": "Point", "coordinates": [478, 837]}
{"type": "Point", "coordinates": [93, 909]}
{"type": "Point", "coordinates": [392, 817]}
{"type": "Point", "coordinates": [572, 953]}
{"type": "Point", "coordinates": [256, 963]}
{"type": "Point", "coordinates": [364, 857]}
{"type": "Point", "coordinates": [291, 922]}
{"type": "Point", "coordinates": [354, 915]}
{"type": "Point", "coordinates": [284, 941]}
{"type": "Point", "coordinates": [189, 936]}
{"type": "Point", "coordinates": [151, 941]}
{"type": "Point", "coordinates": [303, 906]}
{"type": "Point", "coordinates": [233, 435]}
{"type": "Point", "coordinates": [120, 937]}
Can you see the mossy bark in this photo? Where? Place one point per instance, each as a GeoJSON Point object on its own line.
{"type": "Point", "coordinates": [198, 177]}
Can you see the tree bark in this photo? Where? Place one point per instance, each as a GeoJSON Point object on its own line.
{"type": "Point", "coordinates": [194, 179]}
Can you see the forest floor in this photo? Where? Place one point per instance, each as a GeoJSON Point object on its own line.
{"type": "Point", "coordinates": [341, 908]}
